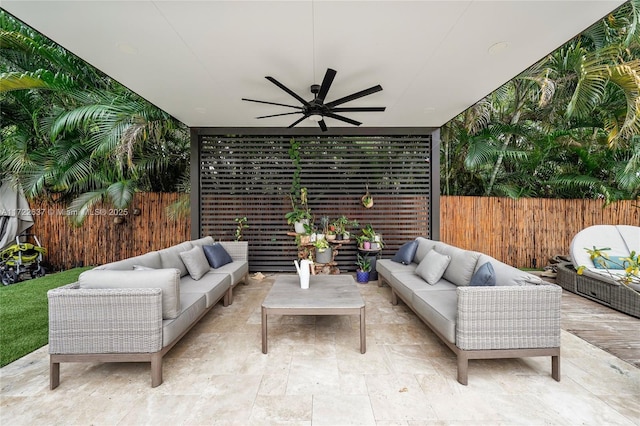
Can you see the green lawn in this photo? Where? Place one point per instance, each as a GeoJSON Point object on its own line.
{"type": "Point", "coordinates": [24, 314]}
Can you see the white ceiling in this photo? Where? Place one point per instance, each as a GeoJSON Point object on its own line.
{"type": "Point", "coordinates": [197, 59]}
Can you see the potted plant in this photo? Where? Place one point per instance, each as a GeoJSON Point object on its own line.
{"type": "Point", "coordinates": [342, 225]}
{"type": "Point", "coordinates": [370, 240]}
{"type": "Point", "coordinates": [300, 213]}
{"type": "Point", "coordinates": [323, 251]}
{"type": "Point", "coordinates": [364, 268]}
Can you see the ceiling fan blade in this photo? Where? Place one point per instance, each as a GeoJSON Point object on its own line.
{"type": "Point", "coordinates": [278, 115]}
{"type": "Point", "coordinates": [298, 121]}
{"type": "Point", "coordinates": [326, 84]}
{"type": "Point", "coordinates": [354, 96]}
{"type": "Point", "coordinates": [359, 109]}
{"type": "Point", "coordinates": [323, 125]}
{"type": "Point", "coordinates": [271, 103]}
{"type": "Point", "coordinates": [341, 118]}
{"type": "Point", "coordinates": [286, 89]}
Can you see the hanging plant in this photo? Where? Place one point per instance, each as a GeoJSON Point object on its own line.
{"type": "Point", "coordinates": [367, 199]}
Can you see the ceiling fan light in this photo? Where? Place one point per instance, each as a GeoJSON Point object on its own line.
{"type": "Point", "coordinates": [315, 117]}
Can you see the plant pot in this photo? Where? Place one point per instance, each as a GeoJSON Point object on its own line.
{"type": "Point", "coordinates": [375, 246]}
{"type": "Point", "coordinates": [299, 226]}
{"type": "Point", "coordinates": [331, 237]}
{"type": "Point", "coordinates": [346, 235]}
{"type": "Point", "coordinates": [323, 256]}
{"type": "Point", "coordinates": [362, 276]}
{"type": "Point", "coordinates": [366, 245]}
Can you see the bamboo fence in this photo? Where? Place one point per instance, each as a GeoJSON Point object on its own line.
{"type": "Point", "coordinates": [523, 233]}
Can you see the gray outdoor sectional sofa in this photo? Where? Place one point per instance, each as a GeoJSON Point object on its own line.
{"type": "Point", "coordinates": [478, 306]}
{"type": "Point", "coordinates": [137, 309]}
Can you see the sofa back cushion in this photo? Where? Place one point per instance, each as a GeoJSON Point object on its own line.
{"type": "Point", "coordinates": [168, 280]}
{"type": "Point", "coordinates": [150, 260]}
{"type": "Point", "coordinates": [204, 241]}
{"type": "Point", "coordinates": [631, 236]}
{"type": "Point", "coordinates": [462, 265]}
{"type": "Point", "coordinates": [424, 246]}
{"type": "Point", "coordinates": [507, 274]}
{"type": "Point", "coordinates": [170, 257]}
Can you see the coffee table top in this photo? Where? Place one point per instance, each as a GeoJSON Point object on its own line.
{"type": "Point", "coordinates": [324, 292]}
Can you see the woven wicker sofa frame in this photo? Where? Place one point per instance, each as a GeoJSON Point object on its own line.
{"type": "Point", "coordinates": [127, 321]}
{"type": "Point", "coordinates": [478, 320]}
{"type": "Point", "coordinates": [135, 319]}
{"type": "Point", "coordinates": [613, 295]}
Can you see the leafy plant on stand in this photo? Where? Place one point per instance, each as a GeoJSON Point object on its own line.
{"type": "Point", "coordinates": [242, 225]}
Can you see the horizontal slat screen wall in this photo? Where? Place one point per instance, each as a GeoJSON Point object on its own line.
{"type": "Point", "coordinates": [251, 176]}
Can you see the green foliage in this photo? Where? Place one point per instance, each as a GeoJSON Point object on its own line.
{"type": "Point", "coordinates": [568, 127]}
{"type": "Point", "coordinates": [71, 133]}
{"type": "Point", "coordinates": [24, 314]}
{"type": "Point", "coordinates": [363, 262]}
{"type": "Point", "coordinates": [241, 225]}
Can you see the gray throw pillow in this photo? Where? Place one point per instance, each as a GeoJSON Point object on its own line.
{"type": "Point", "coordinates": [432, 267]}
{"type": "Point", "coordinates": [196, 262]}
{"type": "Point", "coordinates": [217, 255]}
{"type": "Point", "coordinates": [484, 276]}
{"type": "Point", "coordinates": [406, 252]}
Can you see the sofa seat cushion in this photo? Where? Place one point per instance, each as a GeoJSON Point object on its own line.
{"type": "Point", "coordinates": [168, 280]}
{"type": "Point", "coordinates": [386, 267]}
{"type": "Point", "coordinates": [149, 260]}
{"type": "Point", "coordinates": [212, 285]}
{"type": "Point", "coordinates": [462, 265]}
{"type": "Point", "coordinates": [170, 257]}
{"type": "Point", "coordinates": [237, 269]}
{"type": "Point", "coordinates": [192, 306]}
{"type": "Point", "coordinates": [406, 283]}
{"type": "Point", "coordinates": [439, 309]}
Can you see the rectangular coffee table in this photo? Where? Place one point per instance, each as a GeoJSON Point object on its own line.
{"type": "Point", "coordinates": [326, 295]}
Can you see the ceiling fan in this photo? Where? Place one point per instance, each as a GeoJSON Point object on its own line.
{"type": "Point", "coordinates": [316, 109]}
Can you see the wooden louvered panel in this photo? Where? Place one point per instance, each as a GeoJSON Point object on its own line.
{"type": "Point", "coordinates": [251, 176]}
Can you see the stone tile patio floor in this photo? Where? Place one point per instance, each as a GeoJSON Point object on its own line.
{"type": "Point", "coordinates": [315, 375]}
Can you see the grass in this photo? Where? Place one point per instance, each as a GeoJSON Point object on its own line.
{"type": "Point", "coordinates": [24, 314]}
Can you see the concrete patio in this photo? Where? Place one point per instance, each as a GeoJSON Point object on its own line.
{"type": "Point", "coordinates": [314, 374]}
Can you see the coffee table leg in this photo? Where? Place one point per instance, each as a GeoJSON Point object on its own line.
{"type": "Point", "coordinates": [264, 330]}
{"type": "Point", "coordinates": [363, 332]}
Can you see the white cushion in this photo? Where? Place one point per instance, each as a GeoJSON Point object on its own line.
{"type": "Point", "coordinates": [196, 262]}
{"type": "Point", "coordinates": [432, 267]}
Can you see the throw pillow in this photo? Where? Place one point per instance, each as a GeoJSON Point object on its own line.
{"type": "Point", "coordinates": [217, 255]}
{"type": "Point", "coordinates": [484, 276]}
{"type": "Point", "coordinates": [406, 252]}
{"type": "Point", "coordinates": [432, 267]}
{"type": "Point", "coordinates": [613, 262]}
{"type": "Point", "coordinates": [196, 262]}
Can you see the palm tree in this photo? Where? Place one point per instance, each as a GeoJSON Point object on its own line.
{"type": "Point", "coordinates": [74, 134]}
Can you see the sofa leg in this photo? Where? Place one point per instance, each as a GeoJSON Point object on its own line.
{"type": "Point", "coordinates": [228, 297]}
{"type": "Point", "coordinates": [555, 367]}
{"type": "Point", "coordinates": [394, 298]}
{"type": "Point", "coordinates": [54, 374]}
{"type": "Point", "coordinates": [463, 369]}
{"type": "Point", "coordinates": [245, 279]}
{"type": "Point", "coordinates": [156, 370]}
